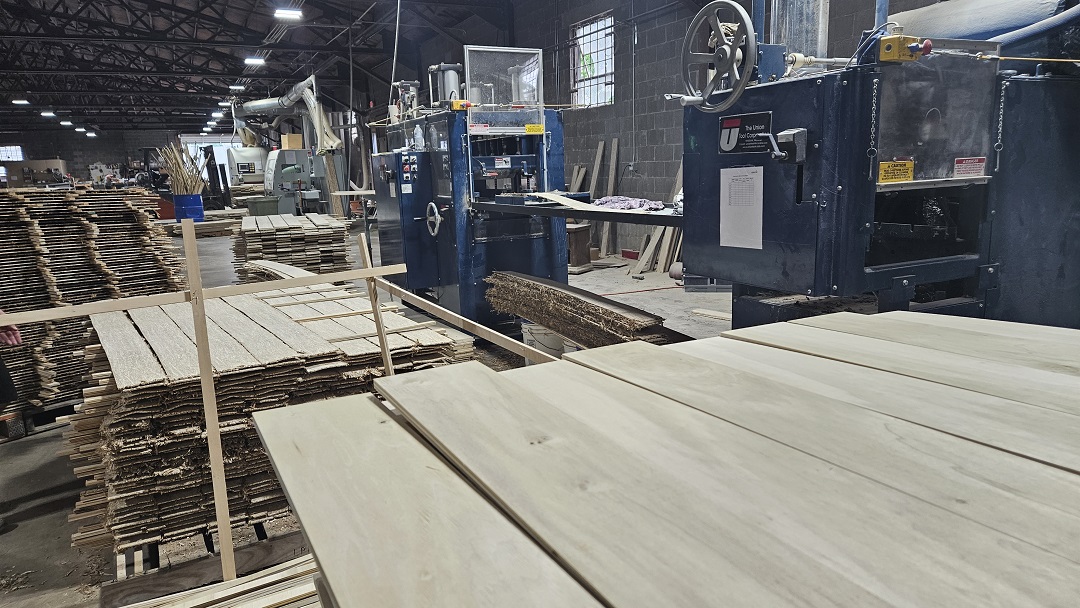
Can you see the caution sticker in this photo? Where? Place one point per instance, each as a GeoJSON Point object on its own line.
{"type": "Point", "coordinates": [898, 171]}
{"type": "Point", "coordinates": [970, 167]}
{"type": "Point", "coordinates": [534, 129]}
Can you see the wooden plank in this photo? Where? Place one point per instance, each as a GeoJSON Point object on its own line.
{"type": "Point", "coordinates": [1023, 331]}
{"type": "Point", "coordinates": [174, 350]}
{"type": "Point", "coordinates": [376, 310]}
{"type": "Point", "coordinates": [302, 281]}
{"type": "Point", "coordinates": [595, 178]}
{"type": "Point", "coordinates": [94, 308]}
{"type": "Point", "coordinates": [226, 353]}
{"type": "Point", "coordinates": [578, 178]}
{"type": "Point", "coordinates": [255, 558]}
{"type": "Point", "coordinates": [656, 504]}
{"type": "Point", "coordinates": [1032, 432]}
{"type": "Point", "coordinates": [712, 314]}
{"type": "Point", "coordinates": [209, 399]}
{"type": "Point", "coordinates": [1032, 386]}
{"type": "Point", "coordinates": [1055, 355]}
{"type": "Point", "coordinates": [647, 257]}
{"type": "Point", "coordinates": [460, 322]}
{"type": "Point", "coordinates": [1022, 498]}
{"type": "Point", "coordinates": [606, 245]}
{"type": "Point", "coordinates": [411, 534]}
{"type": "Point", "coordinates": [139, 367]}
{"type": "Point", "coordinates": [267, 348]}
{"type": "Point", "coordinates": [301, 340]}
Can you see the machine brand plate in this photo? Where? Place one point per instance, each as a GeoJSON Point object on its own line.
{"type": "Point", "coordinates": [745, 133]}
{"type": "Point", "coordinates": [897, 171]}
{"type": "Point", "coordinates": [970, 167]}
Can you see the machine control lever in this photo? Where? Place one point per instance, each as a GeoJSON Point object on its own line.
{"type": "Point", "coordinates": [792, 143]}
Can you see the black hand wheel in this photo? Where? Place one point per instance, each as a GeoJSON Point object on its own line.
{"type": "Point", "coordinates": [720, 50]}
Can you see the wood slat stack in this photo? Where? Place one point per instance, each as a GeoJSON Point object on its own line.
{"type": "Point", "coordinates": [290, 584]}
{"type": "Point", "coordinates": [586, 318]}
{"type": "Point", "coordinates": [138, 440]}
{"type": "Point", "coordinates": [312, 242]}
{"type": "Point", "coordinates": [74, 247]}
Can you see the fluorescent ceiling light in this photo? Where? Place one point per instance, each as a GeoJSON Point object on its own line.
{"type": "Point", "coordinates": [293, 14]}
{"type": "Point", "coordinates": [224, 104]}
{"type": "Point", "coordinates": [236, 87]}
{"type": "Point", "coordinates": [203, 134]}
{"type": "Point", "coordinates": [255, 61]}
{"type": "Point", "coordinates": [207, 129]}
{"type": "Point", "coordinates": [218, 115]}
{"type": "Point", "coordinates": [49, 114]}
{"type": "Point", "coordinates": [65, 123]}
{"type": "Point", "coordinates": [20, 102]}
{"type": "Point", "coordinates": [91, 134]}
{"type": "Point", "coordinates": [211, 123]}
{"type": "Point", "coordinates": [80, 129]}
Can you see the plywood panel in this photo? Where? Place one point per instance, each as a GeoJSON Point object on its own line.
{"type": "Point", "coordinates": [656, 504]}
{"type": "Point", "coordinates": [392, 525]}
{"type": "Point", "coordinates": [1033, 386]}
{"type": "Point", "coordinates": [1017, 496]}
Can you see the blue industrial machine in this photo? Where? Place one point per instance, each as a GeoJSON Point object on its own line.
{"type": "Point", "coordinates": [449, 158]}
{"type": "Point", "coordinates": [931, 175]}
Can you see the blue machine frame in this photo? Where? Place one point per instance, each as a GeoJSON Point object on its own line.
{"type": "Point", "coordinates": [453, 169]}
{"type": "Point", "coordinates": [1008, 247]}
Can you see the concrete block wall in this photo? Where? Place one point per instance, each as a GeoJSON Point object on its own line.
{"type": "Point", "coordinates": [109, 147]}
{"type": "Point", "coordinates": [849, 18]}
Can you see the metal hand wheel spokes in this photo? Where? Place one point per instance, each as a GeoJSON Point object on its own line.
{"type": "Point", "coordinates": [722, 37]}
{"type": "Point", "coordinates": [433, 219]}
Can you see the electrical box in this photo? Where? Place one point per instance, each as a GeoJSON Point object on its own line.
{"type": "Point", "coordinates": [292, 141]}
{"type": "Point", "coordinates": [247, 165]}
{"type": "Point", "coordinates": [899, 48]}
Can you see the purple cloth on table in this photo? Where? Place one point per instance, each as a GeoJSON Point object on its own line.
{"type": "Point", "coordinates": [624, 202]}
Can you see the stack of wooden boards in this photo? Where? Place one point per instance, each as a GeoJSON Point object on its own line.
{"type": "Point", "coordinates": [291, 584]}
{"type": "Point", "coordinates": [73, 247]}
{"type": "Point", "coordinates": [659, 251]}
{"type": "Point", "coordinates": [895, 460]}
{"type": "Point", "coordinates": [583, 317]}
{"type": "Point", "coordinates": [313, 242]}
{"type": "Point", "coordinates": [138, 439]}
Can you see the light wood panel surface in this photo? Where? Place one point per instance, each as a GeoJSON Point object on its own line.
{"type": "Point", "coordinates": [1021, 331]}
{"type": "Point", "coordinates": [1036, 387]}
{"type": "Point", "coordinates": [1024, 499]}
{"type": "Point", "coordinates": [656, 504]}
{"type": "Point", "coordinates": [1052, 355]}
{"type": "Point", "coordinates": [140, 367]}
{"type": "Point", "coordinates": [392, 525]}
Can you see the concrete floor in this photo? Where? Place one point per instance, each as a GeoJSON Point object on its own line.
{"type": "Point", "coordinates": [38, 489]}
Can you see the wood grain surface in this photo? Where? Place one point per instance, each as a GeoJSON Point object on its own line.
{"type": "Point", "coordinates": [654, 503]}
{"type": "Point", "coordinates": [391, 525]}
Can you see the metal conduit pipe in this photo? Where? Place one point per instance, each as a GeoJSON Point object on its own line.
{"type": "Point", "coordinates": [881, 15]}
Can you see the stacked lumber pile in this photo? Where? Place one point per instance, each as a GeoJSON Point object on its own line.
{"type": "Point", "coordinates": [290, 584]}
{"type": "Point", "coordinates": [312, 242]}
{"type": "Point", "coordinates": [74, 247]}
{"type": "Point", "coordinates": [585, 318]}
{"type": "Point", "coordinates": [138, 439]}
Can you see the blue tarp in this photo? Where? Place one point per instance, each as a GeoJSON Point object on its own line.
{"type": "Point", "coordinates": [976, 19]}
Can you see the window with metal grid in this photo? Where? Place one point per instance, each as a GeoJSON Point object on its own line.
{"type": "Point", "coordinates": [11, 153]}
{"type": "Point", "coordinates": [593, 78]}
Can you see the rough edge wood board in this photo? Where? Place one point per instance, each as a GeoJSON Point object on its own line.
{"type": "Point", "coordinates": [1048, 355]}
{"type": "Point", "coordinates": [1036, 387]}
{"type": "Point", "coordinates": [392, 525]}
{"type": "Point", "coordinates": [654, 503]}
{"type": "Point", "coordinates": [1014, 495]}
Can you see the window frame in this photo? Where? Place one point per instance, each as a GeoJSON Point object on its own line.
{"type": "Point", "coordinates": [6, 156]}
{"type": "Point", "coordinates": [601, 37]}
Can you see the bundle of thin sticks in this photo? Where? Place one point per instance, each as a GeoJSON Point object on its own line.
{"type": "Point", "coordinates": [185, 173]}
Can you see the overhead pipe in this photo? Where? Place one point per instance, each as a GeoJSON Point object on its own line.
{"type": "Point", "coordinates": [759, 20]}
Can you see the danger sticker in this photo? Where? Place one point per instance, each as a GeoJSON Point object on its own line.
{"type": "Point", "coordinates": [479, 128]}
{"type": "Point", "coordinates": [502, 162]}
{"type": "Point", "coordinates": [897, 171]}
{"type": "Point", "coordinates": [970, 167]}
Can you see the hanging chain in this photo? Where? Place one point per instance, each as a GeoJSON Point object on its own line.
{"type": "Point", "coordinates": [872, 151]}
{"type": "Point", "coordinates": [1000, 145]}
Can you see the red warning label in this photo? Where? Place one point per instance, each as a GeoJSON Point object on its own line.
{"type": "Point", "coordinates": [970, 167]}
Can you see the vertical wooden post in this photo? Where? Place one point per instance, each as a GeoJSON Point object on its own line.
{"type": "Point", "coordinates": [376, 311]}
{"type": "Point", "coordinates": [209, 399]}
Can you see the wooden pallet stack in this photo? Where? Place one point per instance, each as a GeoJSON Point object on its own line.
{"type": "Point", "coordinates": [290, 584]}
{"type": "Point", "coordinates": [74, 247]}
{"type": "Point", "coordinates": [313, 242]}
{"type": "Point", "coordinates": [138, 439]}
{"type": "Point", "coordinates": [586, 318]}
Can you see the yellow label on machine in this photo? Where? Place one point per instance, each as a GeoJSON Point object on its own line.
{"type": "Point", "coordinates": [899, 171]}
{"type": "Point", "coordinates": [534, 129]}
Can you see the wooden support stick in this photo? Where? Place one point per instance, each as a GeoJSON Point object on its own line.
{"type": "Point", "coordinates": [209, 399]}
{"type": "Point", "coordinates": [372, 334]}
{"type": "Point", "coordinates": [376, 311]}
{"type": "Point", "coordinates": [460, 322]}
{"type": "Point", "coordinates": [351, 313]}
